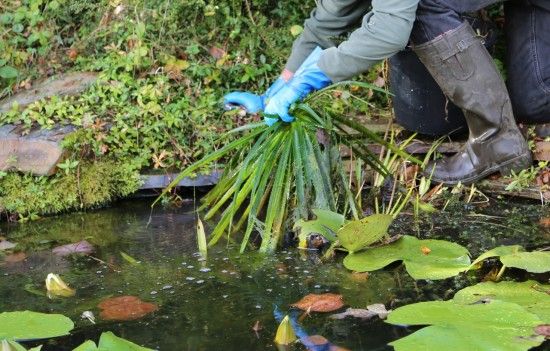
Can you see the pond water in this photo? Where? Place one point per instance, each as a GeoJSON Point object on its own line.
{"type": "Point", "coordinates": [213, 304]}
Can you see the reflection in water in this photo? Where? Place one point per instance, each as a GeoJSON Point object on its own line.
{"type": "Point", "coordinates": [214, 304]}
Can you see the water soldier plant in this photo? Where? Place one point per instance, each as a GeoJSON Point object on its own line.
{"type": "Point", "coordinates": [275, 175]}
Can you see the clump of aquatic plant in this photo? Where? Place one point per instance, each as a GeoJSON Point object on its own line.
{"type": "Point", "coordinates": [275, 175]}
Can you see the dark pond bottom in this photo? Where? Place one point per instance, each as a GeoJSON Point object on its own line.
{"type": "Point", "coordinates": [213, 304]}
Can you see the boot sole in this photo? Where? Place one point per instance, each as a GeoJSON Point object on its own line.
{"type": "Point", "coordinates": [506, 168]}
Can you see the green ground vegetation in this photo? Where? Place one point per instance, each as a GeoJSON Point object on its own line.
{"type": "Point", "coordinates": [163, 69]}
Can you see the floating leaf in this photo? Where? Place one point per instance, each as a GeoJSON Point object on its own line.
{"type": "Point", "coordinates": [125, 308]}
{"type": "Point", "coordinates": [26, 325]}
{"type": "Point", "coordinates": [368, 313]}
{"type": "Point", "coordinates": [89, 315]}
{"type": "Point", "coordinates": [320, 302]}
{"type": "Point", "coordinates": [201, 239]}
{"type": "Point", "coordinates": [326, 223]}
{"type": "Point", "coordinates": [496, 325]}
{"type": "Point", "coordinates": [109, 341]}
{"type": "Point", "coordinates": [515, 256]}
{"type": "Point", "coordinates": [358, 235]}
{"type": "Point", "coordinates": [534, 297]}
{"type": "Point", "coordinates": [129, 258]}
{"type": "Point", "coordinates": [83, 247]}
{"type": "Point", "coordinates": [445, 260]}
{"type": "Point", "coordinates": [57, 287]}
{"type": "Point", "coordinates": [285, 333]}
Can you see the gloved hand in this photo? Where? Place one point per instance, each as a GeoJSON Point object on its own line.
{"type": "Point", "coordinates": [307, 78]}
{"type": "Point", "coordinates": [251, 102]}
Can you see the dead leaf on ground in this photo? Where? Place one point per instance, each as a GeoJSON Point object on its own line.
{"type": "Point", "coordinates": [125, 308]}
{"type": "Point", "coordinates": [544, 330]}
{"type": "Point", "coordinates": [83, 247]}
{"type": "Point", "coordinates": [380, 82]}
{"type": "Point", "coordinates": [320, 303]}
{"type": "Point", "coordinates": [16, 257]}
{"type": "Point", "coordinates": [72, 54]}
{"type": "Point", "coordinates": [216, 52]}
{"type": "Point", "coordinates": [545, 222]}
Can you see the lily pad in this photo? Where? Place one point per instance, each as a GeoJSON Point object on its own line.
{"type": "Point", "coordinates": [10, 345]}
{"type": "Point", "coordinates": [109, 341]}
{"type": "Point", "coordinates": [358, 235]}
{"type": "Point", "coordinates": [26, 325]}
{"type": "Point", "coordinates": [445, 259]}
{"type": "Point", "coordinates": [533, 296]}
{"type": "Point", "coordinates": [326, 223]}
{"type": "Point", "coordinates": [496, 325]}
{"type": "Point", "coordinates": [320, 302]}
{"type": "Point", "coordinates": [515, 256]}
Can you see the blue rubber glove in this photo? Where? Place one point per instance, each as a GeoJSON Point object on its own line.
{"type": "Point", "coordinates": [251, 102]}
{"type": "Point", "coordinates": [307, 78]}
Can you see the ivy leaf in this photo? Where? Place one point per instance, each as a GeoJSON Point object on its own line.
{"type": "Point", "coordinates": [445, 259]}
{"type": "Point", "coordinates": [358, 235]}
{"type": "Point", "coordinates": [496, 325]}
{"type": "Point", "coordinates": [8, 72]}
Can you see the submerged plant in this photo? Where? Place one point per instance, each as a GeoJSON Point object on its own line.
{"type": "Point", "coordinates": [280, 172]}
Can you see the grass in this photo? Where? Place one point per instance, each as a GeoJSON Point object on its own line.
{"type": "Point", "coordinates": [277, 174]}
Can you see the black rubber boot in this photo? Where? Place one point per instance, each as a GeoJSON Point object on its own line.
{"type": "Point", "coordinates": [465, 71]}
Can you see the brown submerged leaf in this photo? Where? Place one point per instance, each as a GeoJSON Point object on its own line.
{"type": "Point", "coordinates": [81, 247]}
{"type": "Point", "coordinates": [16, 257]}
{"type": "Point", "coordinates": [125, 308]}
{"type": "Point", "coordinates": [320, 302]}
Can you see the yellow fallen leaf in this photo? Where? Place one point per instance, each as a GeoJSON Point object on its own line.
{"type": "Point", "coordinates": [425, 250]}
{"type": "Point", "coordinates": [57, 287]}
{"type": "Point", "coordinates": [285, 333]}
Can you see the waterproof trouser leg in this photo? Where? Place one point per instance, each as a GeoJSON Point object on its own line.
{"type": "Point", "coordinates": [465, 71]}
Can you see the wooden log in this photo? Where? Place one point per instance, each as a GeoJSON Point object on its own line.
{"type": "Point", "coordinates": [498, 187]}
{"type": "Point", "coordinates": [161, 181]}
